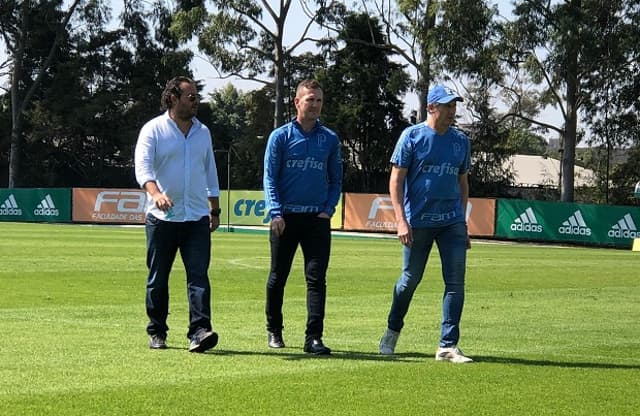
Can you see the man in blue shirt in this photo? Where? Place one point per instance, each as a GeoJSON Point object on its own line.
{"type": "Point", "coordinates": [429, 192]}
{"type": "Point", "coordinates": [302, 185]}
{"type": "Point", "coordinates": [174, 163]}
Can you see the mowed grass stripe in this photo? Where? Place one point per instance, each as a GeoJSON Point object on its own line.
{"type": "Point", "coordinates": [553, 331]}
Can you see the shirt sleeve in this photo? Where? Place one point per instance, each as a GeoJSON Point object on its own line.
{"type": "Point", "coordinates": [144, 155]}
{"type": "Point", "coordinates": [272, 162]}
{"type": "Point", "coordinates": [402, 152]}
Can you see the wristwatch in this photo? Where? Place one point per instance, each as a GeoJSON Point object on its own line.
{"type": "Point", "coordinates": [215, 212]}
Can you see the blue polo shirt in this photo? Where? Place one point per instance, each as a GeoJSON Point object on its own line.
{"type": "Point", "coordinates": [432, 195]}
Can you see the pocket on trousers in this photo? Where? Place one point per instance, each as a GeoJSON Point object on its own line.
{"type": "Point", "coordinates": [151, 220]}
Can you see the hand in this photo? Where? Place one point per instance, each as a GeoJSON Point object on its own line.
{"type": "Point", "coordinates": [405, 235]}
{"type": "Point", "coordinates": [214, 222]}
{"type": "Point", "coordinates": [277, 225]}
{"type": "Point", "coordinates": [162, 201]}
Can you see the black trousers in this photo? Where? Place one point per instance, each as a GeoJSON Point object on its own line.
{"type": "Point", "coordinates": [313, 234]}
{"type": "Point", "coordinates": [164, 239]}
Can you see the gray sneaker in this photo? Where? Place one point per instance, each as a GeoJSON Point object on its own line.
{"type": "Point", "coordinates": [158, 342]}
{"type": "Point", "coordinates": [388, 342]}
{"type": "Point", "coordinates": [452, 354]}
{"type": "Point", "coordinates": [203, 340]}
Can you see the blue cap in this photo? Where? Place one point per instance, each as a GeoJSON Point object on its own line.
{"type": "Point", "coordinates": [442, 95]}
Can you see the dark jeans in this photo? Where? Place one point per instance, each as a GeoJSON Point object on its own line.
{"type": "Point", "coordinates": [164, 238]}
{"type": "Point", "coordinates": [313, 234]}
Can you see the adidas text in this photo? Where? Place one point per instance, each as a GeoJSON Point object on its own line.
{"type": "Point", "coordinates": [574, 230]}
{"type": "Point", "coordinates": [46, 211]}
{"type": "Point", "coordinates": [533, 228]}
{"type": "Point", "coordinates": [623, 234]}
{"type": "Point", "coordinates": [10, 211]}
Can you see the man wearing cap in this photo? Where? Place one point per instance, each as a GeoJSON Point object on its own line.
{"type": "Point", "coordinates": [429, 190]}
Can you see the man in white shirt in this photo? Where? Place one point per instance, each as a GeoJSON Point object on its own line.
{"type": "Point", "coordinates": [174, 163]}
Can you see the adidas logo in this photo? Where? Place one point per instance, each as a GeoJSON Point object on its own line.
{"type": "Point", "coordinates": [10, 207]}
{"type": "Point", "coordinates": [46, 207]}
{"type": "Point", "coordinates": [624, 228]}
{"type": "Point", "coordinates": [527, 222]}
{"type": "Point", "coordinates": [575, 225]}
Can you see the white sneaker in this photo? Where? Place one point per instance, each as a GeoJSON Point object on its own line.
{"type": "Point", "coordinates": [388, 342]}
{"type": "Point", "coordinates": [452, 354]}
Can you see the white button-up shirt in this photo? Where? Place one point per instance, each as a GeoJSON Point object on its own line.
{"type": "Point", "coordinates": [184, 168]}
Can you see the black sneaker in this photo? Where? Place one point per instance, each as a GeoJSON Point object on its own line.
{"type": "Point", "coordinates": [315, 346]}
{"type": "Point", "coordinates": [274, 339]}
{"type": "Point", "coordinates": [158, 342]}
{"type": "Point", "coordinates": [203, 340]}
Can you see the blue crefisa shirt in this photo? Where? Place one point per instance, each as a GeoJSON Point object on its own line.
{"type": "Point", "coordinates": [432, 192]}
{"type": "Point", "coordinates": [302, 171]}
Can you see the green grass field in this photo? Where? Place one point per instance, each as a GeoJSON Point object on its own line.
{"type": "Point", "coordinates": [554, 331]}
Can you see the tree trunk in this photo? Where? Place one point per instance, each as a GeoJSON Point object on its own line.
{"type": "Point", "coordinates": [278, 114]}
{"type": "Point", "coordinates": [424, 69]}
{"type": "Point", "coordinates": [17, 104]}
{"type": "Point", "coordinates": [571, 122]}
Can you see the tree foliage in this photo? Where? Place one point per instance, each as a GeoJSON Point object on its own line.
{"type": "Point", "coordinates": [77, 88]}
{"type": "Point", "coordinates": [246, 39]}
{"type": "Point", "coordinates": [566, 50]}
{"type": "Point", "coordinates": [103, 85]}
{"type": "Point", "coordinates": [363, 87]}
{"type": "Point", "coordinates": [32, 32]}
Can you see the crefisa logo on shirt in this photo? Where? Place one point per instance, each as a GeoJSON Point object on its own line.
{"type": "Point", "coordinates": [304, 164]}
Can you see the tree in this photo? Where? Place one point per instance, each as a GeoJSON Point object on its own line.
{"type": "Point", "coordinates": [559, 47]}
{"type": "Point", "coordinates": [363, 87]}
{"type": "Point", "coordinates": [246, 40]}
{"type": "Point", "coordinates": [624, 177]}
{"type": "Point", "coordinates": [240, 125]}
{"type": "Point", "coordinates": [490, 148]}
{"type": "Point", "coordinates": [82, 126]}
{"type": "Point", "coordinates": [32, 33]}
{"type": "Point", "coordinates": [430, 37]}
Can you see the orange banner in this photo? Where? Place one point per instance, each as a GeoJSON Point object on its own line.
{"type": "Point", "coordinates": [113, 206]}
{"type": "Point", "coordinates": [368, 212]}
{"type": "Point", "coordinates": [481, 214]}
{"type": "Point", "coordinates": [374, 212]}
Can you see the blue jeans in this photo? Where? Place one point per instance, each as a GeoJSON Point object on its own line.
{"type": "Point", "coordinates": [193, 239]}
{"type": "Point", "coordinates": [452, 245]}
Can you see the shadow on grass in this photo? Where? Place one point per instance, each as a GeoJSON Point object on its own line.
{"type": "Point", "coordinates": [411, 357]}
{"type": "Point", "coordinates": [550, 363]}
{"type": "Point", "coordinates": [288, 354]}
